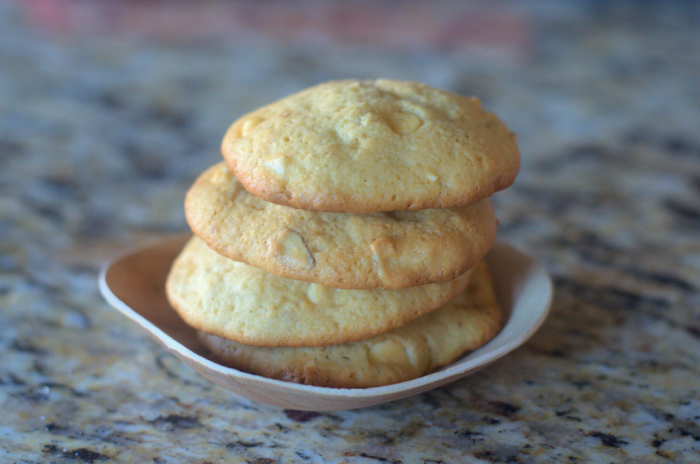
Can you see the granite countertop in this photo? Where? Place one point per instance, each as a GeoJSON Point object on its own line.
{"type": "Point", "coordinates": [101, 133]}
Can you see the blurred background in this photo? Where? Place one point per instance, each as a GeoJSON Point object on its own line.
{"type": "Point", "coordinates": [110, 109]}
{"type": "Point", "coordinates": [118, 104]}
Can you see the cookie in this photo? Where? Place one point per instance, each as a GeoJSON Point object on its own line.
{"type": "Point", "coordinates": [370, 146]}
{"type": "Point", "coordinates": [246, 304]}
{"type": "Point", "coordinates": [341, 250]}
{"type": "Point", "coordinates": [405, 353]}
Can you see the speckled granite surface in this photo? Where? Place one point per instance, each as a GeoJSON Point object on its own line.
{"type": "Point", "coordinates": [100, 137]}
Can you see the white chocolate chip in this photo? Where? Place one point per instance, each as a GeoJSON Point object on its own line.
{"type": "Point", "coordinates": [384, 254]}
{"type": "Point", "coordinates": [388, 351]}
{"type": "Point", "coordinates": [249, 125]}
{"type": "Point", "coordinates": [278, 165]}
{"type": "Point", "coordinates": [289, 249]}
{"type": "Point", "coordinates": [404, 123]}
{"type": "Point", "coordinates": [319, 294]}
{"type": "Point", "coordinates": [430, 176]}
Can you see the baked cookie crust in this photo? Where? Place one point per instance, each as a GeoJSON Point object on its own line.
{"type": "Point", "coordinates": [421, 346]}
{"type": "Point", "coordinates": [341, 250]}
{"type": "Point", "coordinates": [371, 146]}
{"type": "Point", "coordinates": [246, 304]}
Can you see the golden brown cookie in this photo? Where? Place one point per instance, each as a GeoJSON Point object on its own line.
{"type": "Point", "coordinates": [405, 353]}
{"type": "Point", "coordinates": [369, 146]}
{"type": "Point", "coordinates": [341, 250]}
{"type": "Point", "coordinates": [246, 304]}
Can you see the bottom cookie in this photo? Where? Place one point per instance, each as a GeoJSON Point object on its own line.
{"type": "Point", "coordinates": [411, 351]}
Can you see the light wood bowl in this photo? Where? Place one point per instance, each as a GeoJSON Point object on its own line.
{"type": "Point", "coordinates": [134, 284]}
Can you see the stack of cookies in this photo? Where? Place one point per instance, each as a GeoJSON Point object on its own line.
{"type": "Point", "coordinates": [340, 243]}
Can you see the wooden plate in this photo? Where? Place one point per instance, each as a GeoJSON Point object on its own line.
{"type": "Point", "coordinates": [134, 284]}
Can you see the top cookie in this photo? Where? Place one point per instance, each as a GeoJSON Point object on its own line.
{"type": "Point", "coordinates": [370, 146]}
